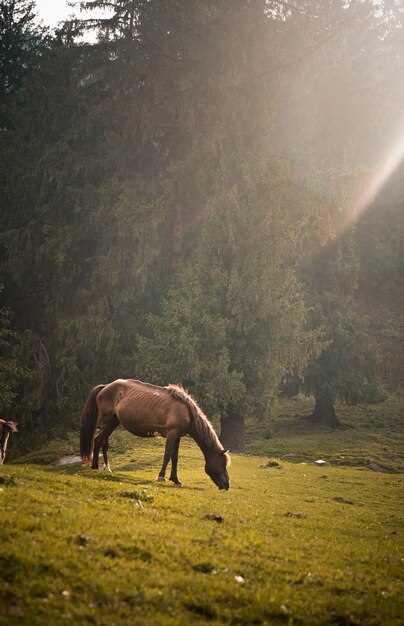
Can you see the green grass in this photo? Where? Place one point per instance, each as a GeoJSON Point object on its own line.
{"type": "Point", "coordinates": [295, 544]}
{"type": "Point", "coordinates": [370, 434]}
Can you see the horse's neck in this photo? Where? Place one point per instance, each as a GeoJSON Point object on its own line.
{"type": "Point", "coordinates": [206, 446]}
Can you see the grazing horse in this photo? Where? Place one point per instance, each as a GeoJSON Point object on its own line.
{"type": "Point", "coordinates": [6, 427]}
{"type": "Point", "coordinates": [146, 410]}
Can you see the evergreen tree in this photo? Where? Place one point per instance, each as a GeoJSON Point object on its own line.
{"type": "Point", "coordinates": [235, 322]}
{"type": "Point", "coordinates": [345, 370]}
{"type": "Point", "coordinates": [163, 185]}
{"type": "Point", "coordinates": [21, 42]}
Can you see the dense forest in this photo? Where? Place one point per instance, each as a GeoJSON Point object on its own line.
{"type": "Point", "coordinates": [205, 193]}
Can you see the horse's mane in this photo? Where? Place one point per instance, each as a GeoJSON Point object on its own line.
{"type": "Point", "coordinates": [203, 428]}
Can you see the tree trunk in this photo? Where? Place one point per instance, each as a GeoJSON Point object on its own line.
{"type": "Point", "coordinates": [324, 412]}
{"type": "Point", "coordinates": [232, 430]}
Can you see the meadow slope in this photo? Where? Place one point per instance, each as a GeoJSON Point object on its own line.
{"type": "Point", "coordinates": [295, 544]}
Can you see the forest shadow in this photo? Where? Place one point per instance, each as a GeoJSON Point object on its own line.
{"type": "Point", "coordinates": [116, 476]}
{"type": "Point", "coordinates": [307, 423]}
{"type": "Point", "coordinates": [142, 464]}
{"type": "Point", "coordinates": [303, 424]}
{"type": "Point", "coordinates": [100, 475]}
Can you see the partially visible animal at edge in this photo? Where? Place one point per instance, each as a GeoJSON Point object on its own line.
{"type": "Point", "coordinates": [145, 410]}
{"type": "Point", "coordinates": [6, 428]}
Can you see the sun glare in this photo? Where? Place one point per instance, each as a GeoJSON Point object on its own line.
{"type": "Point", "coordinates": [379, 176]}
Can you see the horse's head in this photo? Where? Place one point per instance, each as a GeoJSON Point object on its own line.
{"type": "Point", "coordinates": [216, 467]}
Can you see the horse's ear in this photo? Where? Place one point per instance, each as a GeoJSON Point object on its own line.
{"type": "Point", "coordinates": [227, 457]}
{"type": "Point", "coordinates": [13, 426]}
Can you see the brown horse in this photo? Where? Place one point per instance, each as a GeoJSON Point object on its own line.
{"type": "Point", "coordinates": [6, 428]}
{"type": "Point", "coordinates": [146, 410]}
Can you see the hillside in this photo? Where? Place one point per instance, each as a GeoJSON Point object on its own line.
{"type": "Point", "coordinates": [294, 544]}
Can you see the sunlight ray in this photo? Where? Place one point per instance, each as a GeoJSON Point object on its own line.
{"type": "Point", "coordinates": [376, 179]}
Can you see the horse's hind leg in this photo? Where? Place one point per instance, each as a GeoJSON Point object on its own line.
{"type": "Point", "coordinates": [112, 424]}
{"type": "Point", "coordinates": [174, 464]}
{"type": "Point", "coordinates": [105, 445]}
{"type": "Point", "coordinates": [96, 449]}
{"type": "Point", "coordinates": [105, 455]}
{"type": "Point", "coordinates": [101, 440]}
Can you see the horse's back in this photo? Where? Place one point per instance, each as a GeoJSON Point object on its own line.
{"type": "Point", "coordinates": [144, 408]}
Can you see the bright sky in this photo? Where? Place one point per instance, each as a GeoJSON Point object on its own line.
{"type": "Point", "coordinates": [52, 11]}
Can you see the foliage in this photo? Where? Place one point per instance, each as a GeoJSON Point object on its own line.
{"type": "Point", "coordinates": [12, 374]}
{"type": "Point", "coordinates": [346, 367]}
{"type": "Point", "coordinates": [21, 42]}
{"type": "Point", "coordinates": [234, 322]}
{"type": "Point", "coordinates": [169, 190]}
{"type": "Point", "coordinates": [380, 246]}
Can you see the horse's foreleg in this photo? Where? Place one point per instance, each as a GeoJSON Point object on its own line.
{"type": "Point", "coordinates": [171, 440]}
{"type": "Point", "coordinates": [174, 464]}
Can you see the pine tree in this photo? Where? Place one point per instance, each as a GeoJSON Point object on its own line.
{"type": "Point", "coordinates": [21, 42]}
{"type": "Point", "coordinates": [345, 370]}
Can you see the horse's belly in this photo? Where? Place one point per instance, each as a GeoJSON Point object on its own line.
{"type": "Point", "coordinates": [143, 433]}
{"type": "Point", "coordinates": [140, 429]}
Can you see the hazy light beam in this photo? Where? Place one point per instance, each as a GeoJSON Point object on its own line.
{"type": "Point", "coordinates": [376, 180]}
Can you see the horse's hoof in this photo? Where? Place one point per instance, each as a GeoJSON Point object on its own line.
{"type": "Point", "coordinates": [176, 483]}
{"type": "Point", "coordinates": [107, 468]}
{"type": "Point", "coordinates": [161, 479]}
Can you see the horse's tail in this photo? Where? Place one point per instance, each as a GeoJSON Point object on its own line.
{"type": "Point", "coordinates": [88, 423]}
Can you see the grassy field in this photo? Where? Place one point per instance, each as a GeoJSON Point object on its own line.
{"type": "Point", "coordinates": [288, 544]}
{"type": "Point", "coordinates": [370, 434]}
